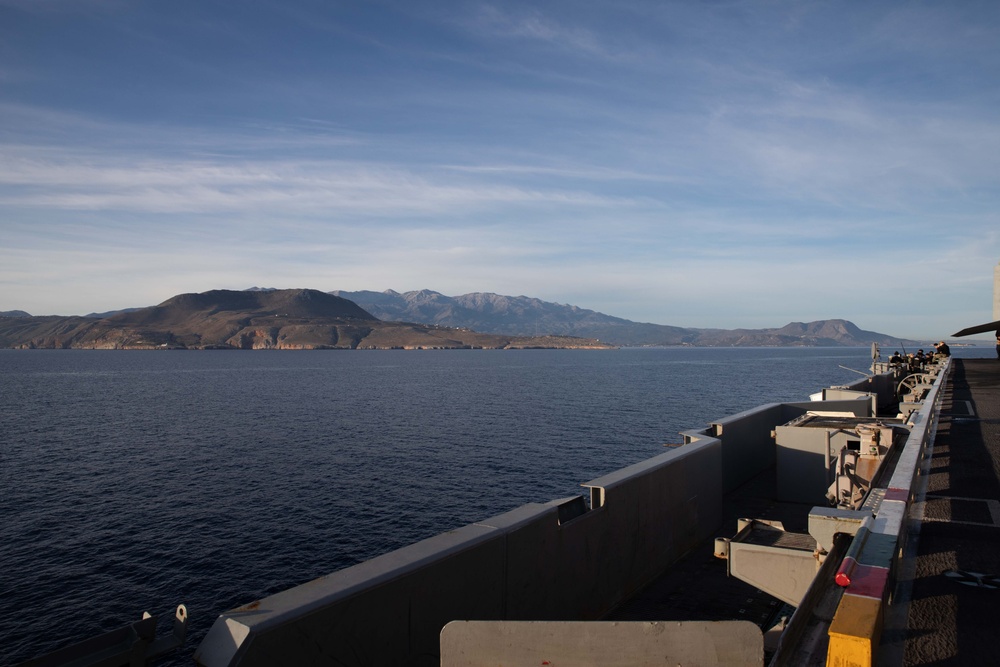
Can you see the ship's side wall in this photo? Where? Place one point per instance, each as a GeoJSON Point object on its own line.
{"type": "Point", "coordinates": [552, 561]}
{"type": "Point", "coordinates": [747, 445]}
{"type": "Point", "coordinates": [523, 565]}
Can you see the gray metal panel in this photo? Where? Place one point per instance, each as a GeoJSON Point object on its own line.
{"type": "Point", "coordinates": [625, 644]}
{"type": "Point", "coordinates": [784, 572]}
{"type": "Point", "coordinates": [747, 446]}
{"type": "Point", "coordinates": [803, 462]}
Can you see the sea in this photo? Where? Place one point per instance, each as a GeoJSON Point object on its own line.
{"type": "Point", "coordinates": [134, 481]}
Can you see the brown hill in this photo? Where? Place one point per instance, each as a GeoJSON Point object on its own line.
{"type": "Point", "coordinates": [276, 319]}
{"type": "Point", "coordinates": [295, 303]}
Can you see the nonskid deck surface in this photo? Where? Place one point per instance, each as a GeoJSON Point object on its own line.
{"type": "Point", "coordinates": [952, 617]}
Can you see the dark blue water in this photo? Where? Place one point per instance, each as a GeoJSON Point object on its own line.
{"type": "Point", "coordinates": [134, 481]}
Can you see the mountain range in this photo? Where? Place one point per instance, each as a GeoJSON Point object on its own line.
{"type": "Point", "coordinates": [522, 316]}
{"type": "Point", "coordinates": [269, 318]}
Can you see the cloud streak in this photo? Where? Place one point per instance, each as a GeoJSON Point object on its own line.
{"type": "Point", "coordinates": [94, 183]}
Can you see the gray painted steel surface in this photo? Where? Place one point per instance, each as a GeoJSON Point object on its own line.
{"type": "Point", "coordinates": [637, 644]}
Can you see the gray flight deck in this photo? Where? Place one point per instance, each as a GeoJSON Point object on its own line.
{"type": "Point", "coordinates": [953, 614]}
{"type": "Point", "coordinates": [946, 609]}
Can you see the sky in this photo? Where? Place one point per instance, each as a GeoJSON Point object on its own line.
{"type": "Point", "coordinates": [699, 164]}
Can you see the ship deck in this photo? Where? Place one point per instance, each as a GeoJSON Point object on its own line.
{"type": "Point", "coordinates": [941, 613]}
{"type": "Point", "coordinates": [944, 618]}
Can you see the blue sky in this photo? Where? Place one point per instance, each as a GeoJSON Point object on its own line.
{"type": "Point", "coordinates": [704, 164]}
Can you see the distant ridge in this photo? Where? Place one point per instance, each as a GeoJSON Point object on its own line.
{"type": "Point", "coordinates": [109, 313]}
{"type": "Point", "coordinates": [521, 315]}
{"type": "Point", "coordinates": [254, 319]}
{"type": "Point", "coordinates": [514, 315]}
{"type": "Point", "coordinates": [14, 313]}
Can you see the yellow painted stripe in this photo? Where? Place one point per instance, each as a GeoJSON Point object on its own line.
{"type": "Point", "coordinates": [854, 632]}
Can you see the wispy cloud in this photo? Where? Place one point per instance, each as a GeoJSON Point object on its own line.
{"type": "Point", "coordinates": [533, 25]}
{"type": "Point", "coordinates": [88, 182]}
